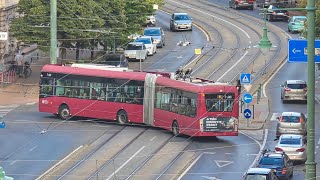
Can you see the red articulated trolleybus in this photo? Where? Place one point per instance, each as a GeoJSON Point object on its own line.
{"type": "Point", "coordinates": [195, 107]}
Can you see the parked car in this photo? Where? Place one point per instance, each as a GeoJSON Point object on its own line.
{"type": "Point", "coordinates": [295, 146]}
{"type": "Point", "coordinates": [237, 4]}
{"type": "Point", "coordinates": [151, 20]}
{"type": "Point", "coordinates": [296, 23]}
{"type": "Point", "coordinates": [157, 34]}
{"type": "Point", "coordinates": [273, 13]}
{"type": "Point", "coordinates": [260, 174]}
{"type": "Point", "coordinates": [291, 123]}
{"type": "Point", "coordinates": [180, 21]}
{"type": "Point", "coordinates": [280, 163]}
{"type": "Point", "coordinates": [132, 50]}
{"type": "Point", "coordinates": [149, 43]}
{"type": "Point", "coordinates": [293, 90]}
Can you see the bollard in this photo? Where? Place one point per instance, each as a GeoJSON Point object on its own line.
{"type": "Point", "coordinates": [259, 93]}
{"type": "Point", "coordinates": [253, 111]}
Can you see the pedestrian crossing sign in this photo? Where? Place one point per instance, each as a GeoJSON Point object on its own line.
{"type": "Point", "coordinates": [245, 78]}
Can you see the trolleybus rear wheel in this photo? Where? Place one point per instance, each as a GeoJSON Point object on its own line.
{"type": "Point", "coordinates": [64, 112]}
{"type": "Point", "coordinates": [175, 128]}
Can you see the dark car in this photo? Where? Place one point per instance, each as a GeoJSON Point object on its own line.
{"type": "Point", "coordinates": [260, 173]}
{"type": "Point", "coordinates": [274, 13]}
{"type": "Point", "coordinates": [280, 163]}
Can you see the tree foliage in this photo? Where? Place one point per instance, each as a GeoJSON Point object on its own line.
{"type": "Point", "coordinates": [80, 23]}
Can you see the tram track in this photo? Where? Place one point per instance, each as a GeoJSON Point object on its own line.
{"type": "Point", "coordinates": [207, 8]}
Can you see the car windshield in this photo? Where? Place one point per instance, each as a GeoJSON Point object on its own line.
{"type": "Point", "coordinates": [134, 47]}
{"type": "Point", "coordinates": [300, 19]}
{"type": "Point", "coordinates": [144, 40]}
{"type": "Point", "coordinates": [181, 17]}
{"type": "Point", "coordinates": [296, 86]}
{"type": "Point", "coordinates": [271, 161]}
{"type": "Point", "coordinates": [219, 102]}
{"type": "Point", "coordinates": [256, 177]}
{"type": "Point", "coordinates": [291, 119]}
{"type": "Point", "coordinates": [152, 32]}
{"type": "Point", "coordinates": [293, 141]}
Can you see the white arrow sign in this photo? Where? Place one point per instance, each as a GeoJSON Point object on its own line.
{"type": "Point", "coordinates": [247, 98]}
{"type": "Point", "coordinates": [294, 50]}
{"type": "Point", "coordinates": [247, 114]}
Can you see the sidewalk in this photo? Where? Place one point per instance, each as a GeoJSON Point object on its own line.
{"type": "Point", "coordinates": [23, 90]}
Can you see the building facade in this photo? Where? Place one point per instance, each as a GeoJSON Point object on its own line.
{"type": "Point", "coordinates": [7, 13]}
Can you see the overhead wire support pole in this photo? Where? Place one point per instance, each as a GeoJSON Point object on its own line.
{"type": "Point", "coordinates": [311, 164]}
{"type": "Point", "coordinates": [53, 31]}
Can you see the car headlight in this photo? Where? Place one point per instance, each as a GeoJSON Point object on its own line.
{"type": "Point", "coordinates": [176, 24]}
{"type": "Point", "coordinates": [157, 40]}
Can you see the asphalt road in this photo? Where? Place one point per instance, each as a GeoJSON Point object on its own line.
{"type": "Point", "coordinates": [26, 153]}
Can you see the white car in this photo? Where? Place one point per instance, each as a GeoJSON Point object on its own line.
{"type": "Point", "coordinates": [133, 49]}
{"type": "Point", "coordinates": [149, 43]}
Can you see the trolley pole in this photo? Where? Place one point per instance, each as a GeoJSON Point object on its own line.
{"type": "Point", "coordinates": [311, 164]}
{"type": "Point", "coordinates": [53, 31]}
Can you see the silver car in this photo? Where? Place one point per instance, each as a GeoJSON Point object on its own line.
{"type": "Point", "coordinates": [157, 34]}
{"type": "Point", "coordinates": [291, 123]}
{"type": "Point", "coordinates": [293, 90]}
{"type": "Point", "coordinates": [180, 21]}
{"type": "Point", "coordinates": [295, 146]}
{"type": "Point", "coordinates": [136, 50]}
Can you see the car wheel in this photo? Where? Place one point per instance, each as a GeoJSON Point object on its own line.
{"type": "Point", "coordinates": [64, 112]}
{"type": "Point", "coordinates": [175, 128]}
{"type": "Point", "coordinates": [122, 117]}
{"type": "Point", "coordinates": [251, 8]}
{"type": "Point", "coordinates": [289, 30]}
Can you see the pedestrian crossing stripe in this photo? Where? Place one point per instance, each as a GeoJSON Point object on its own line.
{"type": "Point", "coordinates": [275, 116]}
{"type": "Point", "coordinates": [4, 110]}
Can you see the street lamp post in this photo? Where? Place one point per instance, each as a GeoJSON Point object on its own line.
{"type": "Point", "coordinates": [264, 43]}
{"type": "Point", "coordinates": [53, 31]}
{"type": "Point", "coordinates": [311, 164]}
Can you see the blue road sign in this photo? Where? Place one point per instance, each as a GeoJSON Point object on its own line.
{"type": "Point", "coordinates": [247, 98]}
{"type": "Point", "coordinates": [2, 125]}
{"type": "Point", "coordinates": [297, 50]}
{"type": "Point", "coordinates": [247, 113]}
{"type": "Point", "coordinates": [245, 78]}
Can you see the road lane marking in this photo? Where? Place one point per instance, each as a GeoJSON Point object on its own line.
{"type": "Point", "coordinates": [261, 146]}
{"type": "Point", "coordinates": [13, 162]}
{"type": "Point", "coordinates": [54, 166]}
{"type": "Point", "coordinates": [233, 66]}
{"type": "Point", "coordinates": [252, 154]}
{"type": "Point", "coordinates": [194, 162]}
{"type": "Point", "coordinates": [275, 116]}
{"type": "Point", "coordinates": [32, 148]}
{"type": "Point", "coordinates": [221, 164]}
{"type": "Point", "coordinates": [209, 152]}
{"type": "Point", "coordinates": [227, 153]}
{"type": "Point", "coordinates": [153, 138]}
{"type": "Point", "coordinates": [125, 163]}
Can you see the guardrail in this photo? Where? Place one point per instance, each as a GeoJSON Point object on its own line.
{"type": "Point", "coordinates": [7, 77]}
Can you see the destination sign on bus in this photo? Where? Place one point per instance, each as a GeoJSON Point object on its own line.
{"type": "Point", "coordinates": [218, 124]}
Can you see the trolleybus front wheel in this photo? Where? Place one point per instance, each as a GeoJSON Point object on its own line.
{"type": "Point", "coordinates": [64, 112]}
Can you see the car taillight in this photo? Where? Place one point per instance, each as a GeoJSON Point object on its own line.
{"type": "Point", "coordinates": [278, 149]}
{"type": "Point", "coordinates": [274, 12]}
{"type": "Point", "coordinates": [286, 13]}
{"type": "Point", "coordinates": [300, 150]}
{"type": "Point", "coordinates": [301, 120]}
{"type": "Point", "coordinates": [287, 89]}
{"type": "Point", "coordinates": [284, 170]}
